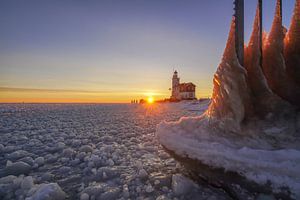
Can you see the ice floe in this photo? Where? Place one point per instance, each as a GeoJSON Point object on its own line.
{"type": "Point", "coordinates": [89, 152]}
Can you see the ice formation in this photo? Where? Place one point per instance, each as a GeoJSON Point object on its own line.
{"type": "Point", "coordinates": [263, 99]}
{"type": "Point", "coordinates": [274, 65]}
{"type": "Point", "coordinates": [292, 46]}
{"type": "Point", "coordinates": [251, 126]}
{"type": "Point", "coordinates": [230, 98]}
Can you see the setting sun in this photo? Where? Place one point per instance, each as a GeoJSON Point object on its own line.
{"type": "Point", "coordinates": [150, 100]}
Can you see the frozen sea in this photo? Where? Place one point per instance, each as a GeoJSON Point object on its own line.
{"type": "Point", "coordinates": [93, 151]}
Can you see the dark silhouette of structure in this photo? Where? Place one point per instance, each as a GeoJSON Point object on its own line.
{"type": "Point", "coordinates": [239, 29]}
{"type": "Point", "coordinates": [280, 6]}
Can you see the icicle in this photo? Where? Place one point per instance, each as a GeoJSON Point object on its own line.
{"type": "Point", "coordinates": [255, 37]}
{"type": "Point", "coordinates": [292, 46]}
{"type": "Point", "coordinates": [264, 100]}
{"type": "Point", "coordinates": [230, 50]}
{"type": "Point", "coordinates": [273, 63]}
{"type": "Point", "coordinates": [274, 66]}
{"type": "Point", "coordinates": [294, 32]}
{"type": "Point", "coordinates": [230, 95]}
{"type": "Point", "coordinates": [253, 56]}
{"type": "Point", "coordinates": [276, 35]}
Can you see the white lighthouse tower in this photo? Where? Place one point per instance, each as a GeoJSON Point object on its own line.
{"type": "Point", "coordinates": [175, 86]}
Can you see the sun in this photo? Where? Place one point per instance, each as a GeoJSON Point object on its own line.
{"type": "Point", "coordinates": [150, 100]}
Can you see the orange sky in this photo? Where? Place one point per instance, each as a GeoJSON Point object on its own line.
{"type": "Point", "coordinates": [19, 95]}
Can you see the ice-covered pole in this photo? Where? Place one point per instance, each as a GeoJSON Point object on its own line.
{"type": "Point", "coordinates": [260, 30]}
{"type": "Point", "coordinates": [292, 46]}
{"type": "Point", "coordinates": [275, 65]}
{"type": "Point", "coordinates": [263, 99]}
{"type": "Point", "coordinates": [279, 3]}
{"type": "Point", "coordinates": [276, 33]}
{"type": "Point", "coordinates": [239, 29]}
{"type": "Point", "coordinates": [294, 30]}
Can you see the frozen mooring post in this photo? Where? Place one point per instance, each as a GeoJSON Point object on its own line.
{"type": "Point", "coordinates": [251, 129]}
{"type": "Point", "coordinates": [292, 46]}
{"type": "Point", "coordinates": [239, 29]}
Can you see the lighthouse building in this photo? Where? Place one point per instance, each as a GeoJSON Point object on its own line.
{"type": "Point", "coordinates": [182, 91]}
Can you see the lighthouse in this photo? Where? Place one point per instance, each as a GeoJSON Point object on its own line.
{"type": "Point", "coordinates": [182, 91]}
{"type": "Point", "coordinates": [175, 84]}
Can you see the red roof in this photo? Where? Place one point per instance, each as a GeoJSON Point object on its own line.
{"type": "Point", "coordinates": [187, 87]}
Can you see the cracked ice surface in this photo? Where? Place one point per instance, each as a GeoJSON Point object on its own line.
{"type": "Point", "coordinates": [92, 151]}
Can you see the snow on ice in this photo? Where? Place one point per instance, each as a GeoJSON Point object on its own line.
{"type": "Point", "coordinates": [91, 152]}
{"type": "Point", "coordinates": [189, 137]}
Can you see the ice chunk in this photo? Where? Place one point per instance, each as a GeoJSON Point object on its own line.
{"type": "Point", "coordinates": [125, 191]}
{"type": "Point", "coordinates": [64, 170]}
{"type": "Point", "coordinates": [149, 188]}
{"type": "Point", "coordinates": [60, 145]}
{"type": "Point", "coordinates": [142, 173]}
{"type": "Point", "coordinates": [86, 148]}
{"type": "Point", "coordinates": [139, 164]}
{"type": "Point", "coordinates": [75, 162]}
{"type": "Point", "coordinates": [28, 160]}
{"type": "Point", "coordinates": [17, 168]}
{"type": "Point", "coordinates": [47, 176]}
{"type": "Point", "coordinates": [8, 149]}
{"type": "Point", "coordinates": [76, 143]}
{"type": "Point", "coordinates": [160, 179]}
{"type": "Point", "coordinates": [51, 158]}
{"type": "Point", "coordinates": [182, 185]}
{"type": "Point", "coordinates": [8, 163]}
{"type": "Point", "coordinates": [84, 196]}
{"type": "Point", "coordinates": [107, 172]}
{"type": "Point", "coordinates": [110, 162]}
{"type": "Point", "coordinates": [17, 155]}
{"type": "Point", "coordinates": [27, 183]}
{"type": "Point", "coordinates": [50, 191]}
{"type": "Point", "coordinates": [17, 182]}
{"type": "Point", "coordinates": [95, 190]}
{"type": "Point", "coordinates": [1, 147]}
{"type": "Point", "coordinates": [69, 152]}
{"type": "Point", "coordinates": [7, 179]}
{"type": "Point", "coordinates": [40, 161]}
{"type": "Point", "coordinates": [111, 194]}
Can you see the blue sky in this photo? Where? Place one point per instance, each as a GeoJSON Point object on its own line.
{"type": "Point", "coordinates": [117, 48]}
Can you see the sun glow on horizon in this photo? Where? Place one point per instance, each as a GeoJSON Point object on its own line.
{"type": "Point", "coordinates": [150, 100]}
